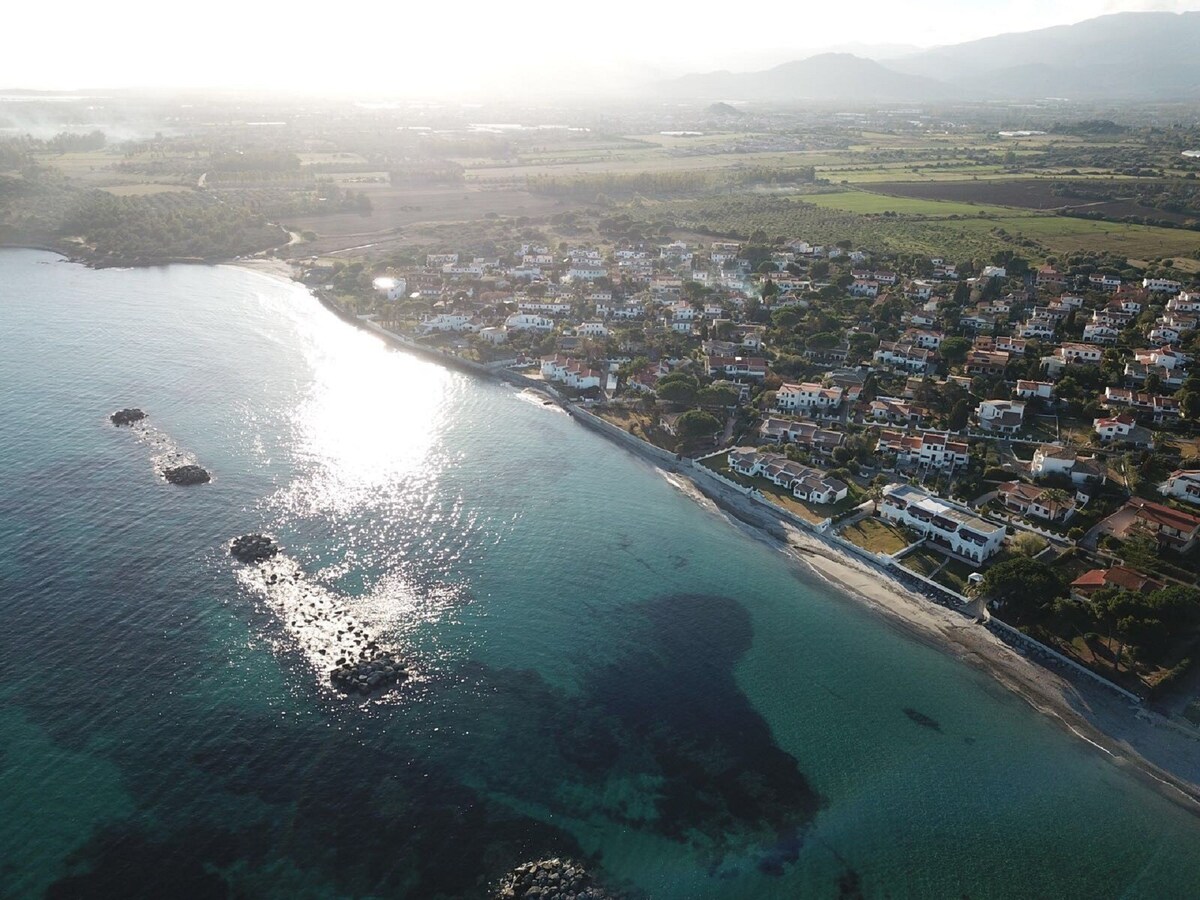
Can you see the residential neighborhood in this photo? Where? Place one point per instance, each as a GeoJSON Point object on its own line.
{"type": "Point", "coordinates": [959, 416]}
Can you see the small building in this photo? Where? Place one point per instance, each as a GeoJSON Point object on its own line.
{"type": "Point", "coordinates": [1031, 500]}
{"type": "Point", "coordinates": [1090, 582]}
{"type": "Point", "coordinates": [1050, 459]}
{"type": "Point", "coordinates": [1001, 416]}
{"type": "Point", "coordinates": [1122, 429]}
{"type": "Point", "coordinates": [1182, 484]}
{"type": "Point", "coordinates": [1170, 528]}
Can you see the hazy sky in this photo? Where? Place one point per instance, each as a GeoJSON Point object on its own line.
{"type": "Point", "coordinates": [425, 48]}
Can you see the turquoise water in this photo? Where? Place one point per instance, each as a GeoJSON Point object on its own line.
{"type": "Point", "coordinates": [604, 667]}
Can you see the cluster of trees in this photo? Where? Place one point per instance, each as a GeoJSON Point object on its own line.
{"type": "Point", "coordinates": [67, 142]}
{"type": "Point", "coordinates": [169, 225]}
{"type": "Point", "coordinates": [1156, 629]}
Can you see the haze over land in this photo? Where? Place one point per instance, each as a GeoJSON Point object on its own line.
{"type": "Point", "coordinates": [545, 51]}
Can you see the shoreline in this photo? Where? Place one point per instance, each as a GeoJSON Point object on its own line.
{"type": "Point", "coordinates": [1088, 712]}
{"type": "Point", "coordinates": [1156, 751]}
{"type": "Point", "coordinates": [1162, 758]}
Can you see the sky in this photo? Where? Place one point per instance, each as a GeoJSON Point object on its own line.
{"type": "Point", "coordinates": [426, 48]}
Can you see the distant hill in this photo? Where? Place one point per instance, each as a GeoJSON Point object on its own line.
{"type": "Point", "coordinates": [835, 77]}
{"type": "Point", "coordinates": [1121, 57]}
{"type": "Point", "coordinates": [1125, 56]}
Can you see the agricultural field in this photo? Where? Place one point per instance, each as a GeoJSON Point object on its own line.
{"type": "Point", "coordinates": [876, 203]}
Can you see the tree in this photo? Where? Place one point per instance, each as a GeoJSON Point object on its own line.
{"type": "Point", "coordinates": [1024, 587]}
{"type": "Point", "coordinates": [954, 350]}
{"type": "Point", "coordinates": [717, 396]}
{"type": "Point", "coordinates": [960, 413]}
{"type": "Point", "coordinates": [874, 493]}
{"type": "Point", "coordinates": [696, 423]}
{"type": "Point", "coordinates": [1140, 552]}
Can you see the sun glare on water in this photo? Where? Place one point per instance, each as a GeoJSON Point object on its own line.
{"type": "Point", "coordinates": [368, 426]}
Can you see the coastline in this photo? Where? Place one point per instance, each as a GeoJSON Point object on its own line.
{"type": "Point", "coordinates": [1154, 750]}
{"type": "Point", "coordinates": [1142, 742]}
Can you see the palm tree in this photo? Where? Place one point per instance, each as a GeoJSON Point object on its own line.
{"type": "Point", "coordinates": [875, 494]}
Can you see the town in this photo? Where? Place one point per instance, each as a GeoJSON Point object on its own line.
{"type": "Point", "coordinates": [1016, 432]}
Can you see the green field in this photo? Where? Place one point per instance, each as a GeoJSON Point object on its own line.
{"type": "Point", "coordinates": [868, 203]}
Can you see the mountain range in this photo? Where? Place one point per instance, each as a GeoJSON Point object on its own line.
{"type": "Point", "coordinates": [1143, 56]}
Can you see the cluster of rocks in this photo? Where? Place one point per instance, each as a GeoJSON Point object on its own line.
{"type": "Point", "coordinates": [189, 474]}
{"type": "Point", "coordinates": [127, 417]}
{"type": "Point", "coordinates": [367, 674]}
{"type": "Point", "coordinates": [551, 879]}
{"type": "Point", "coordinates": [253, 548]}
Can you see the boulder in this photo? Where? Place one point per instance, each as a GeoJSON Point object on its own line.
{"type": "Point", "coordinates": [188, 474]}
{"type": "Point", "coordinates": [127, 416]}
{"type": "Point", "coordinates": [253, 548]}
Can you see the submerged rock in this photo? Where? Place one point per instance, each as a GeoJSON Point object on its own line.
{"type": "Point", "coordinates": [253, 548]}
{"type": "Point", "coordinates": [127, 416]}
{"type": "Point", "coordinates": [921, 719]}
{"type": "Point", "coordinates": [551, 879]}
{"type": "Point", "coordinates": [189, 474]}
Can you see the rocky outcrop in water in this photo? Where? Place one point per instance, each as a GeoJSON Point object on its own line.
{"type": "Point", "coordinates": [189, 474]}
{"type": "Point", "coordinates": [367, 674]}
{"type": "Point", "coordinates": [127, 416]}
{"type": "Point", "coordinates": [253, 548]}
{"type": "Point", "coordinates": [551, 879]}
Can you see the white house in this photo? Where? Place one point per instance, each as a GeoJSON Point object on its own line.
{"type": "Point", "coordinates": [804, 482]}
{"type": "Point", "coordinates": [941, 523]}
{"type": "Point", "coordinates": [1027, 390]}
{"type": "Point", "coordinates": [528, 322]}
{"type": "Point", "coordinates": [592, 329]}
{"type": "Point", "coordinates": [1122, 429]}
{"type": "Point", "coordinates": [930, 449]}
{"type": "Point", "coordinates": [1182, 484]}
{"type": "Point", "coordinates": [446, 322]}
{"type": "Point", "coordinates": [390, 288]}
{"type": "Point", "coordinates": [1004, 416]}
{"type": "Point", "coordinates": [494, 335]}
{"type": "Point", "coordinates": [1050, 459]}
{"type": "Point", "coordinates": [1161, 285]}
{"type": "Point", "coordinates": [808, 396]}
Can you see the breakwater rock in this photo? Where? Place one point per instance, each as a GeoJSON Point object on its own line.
{"type": "Point", "coordinates": [189, 474]}
{"type": "Point", "coordinates": [367, 674]}
{"type": "Point", "coordinates": [551, 879]}
{"type": "Point", "coordinates": [127, 416]}
{"type": "Point", "coordinates": [317, 621]}
{"type": "Point", "coordinates": [253, 548]}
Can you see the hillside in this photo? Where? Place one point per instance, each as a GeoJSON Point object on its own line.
{"type": "Point", "coordinates": [832, 77]}
{"type": "Point", "coordinates": [1121, 57]}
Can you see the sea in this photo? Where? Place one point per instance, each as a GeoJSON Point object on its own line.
{"type": "Point", "coordinates": [602, 668]}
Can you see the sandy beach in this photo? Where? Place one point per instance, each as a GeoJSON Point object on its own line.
{"type": "Point", "coordinates": [1155, 749]}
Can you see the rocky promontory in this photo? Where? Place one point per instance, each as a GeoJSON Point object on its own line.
{"type": "Point", "coordinates": [127, 416]}
{"type": "Point", "coordinates": [551, 879]}
{"type": "Point", "coordinates": [189, 474]}
{"type": "Point", "coordinates": [253, 548]}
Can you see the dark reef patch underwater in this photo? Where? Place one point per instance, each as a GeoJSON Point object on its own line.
{"type": "Point", "coordinates": [370, 807]}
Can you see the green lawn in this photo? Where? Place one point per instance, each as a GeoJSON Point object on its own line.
{"type": "Point", "coordinates": [922, 561]}
{"type": "Point", "coordinates": [876, 535]}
